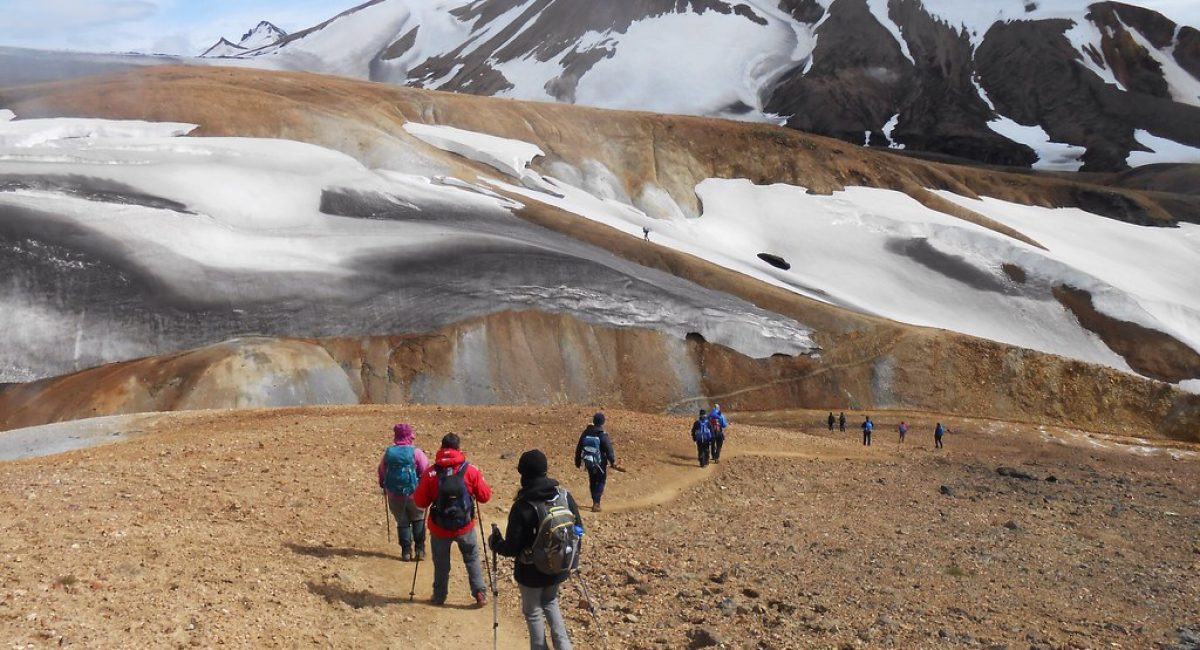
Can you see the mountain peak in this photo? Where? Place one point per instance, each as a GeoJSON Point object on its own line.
{"type": "Point", "coordinates": [263, 34]}
{"type": "Point", "coordinates": [223, 48]}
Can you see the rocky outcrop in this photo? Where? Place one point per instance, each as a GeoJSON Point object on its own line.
{"type": "Point", "coordinates": [538, 358]}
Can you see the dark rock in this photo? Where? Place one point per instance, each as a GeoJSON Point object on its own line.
{"type": "Point", "coordinates": [720, 578]}
{"type": "Point", "coordinates": [1011, 525]}
{"type": "Point", "coordinates": [946, 490]}
{"type": "Point", "coordinates": [750, 593]}
{"type": "Point", "coordinates": [702, 637]}
{"type": "Point", "coordinates": [727, 606]}
{"type": "Point", "coordinates": [1189, 638]}
{"type": "Point", "coordinates": [1052, 479]}
{"type": "Point", "coordinates": [1011, 472]}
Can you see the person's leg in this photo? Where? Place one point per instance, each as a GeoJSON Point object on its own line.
{"type": "Point", "coordinates": [403, 534]}
{"type": "Point", "coordinates": [531, 608]}
{"type": "Point", "coordinates": [596, 481]}
{"type": "Point", "coordinates": [416, 524]}
{"type": "Point", "coordinates": [468, 544]}
{"type": "Point", "coordinates": [558, 626]}
{"type": "Point", "coordinates": [718, 441]}
{"type": "Point", "coordinates": [441, 568]}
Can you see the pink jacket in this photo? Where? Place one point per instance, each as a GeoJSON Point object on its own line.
{"type": "Point", "coordinates": [421, 460]}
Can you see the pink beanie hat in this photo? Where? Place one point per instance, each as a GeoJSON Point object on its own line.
{"type": "Point", "coordinates": [404, 433]}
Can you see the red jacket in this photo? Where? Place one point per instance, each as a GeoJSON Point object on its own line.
{"type": "Point", "coordinates": [427, 489]}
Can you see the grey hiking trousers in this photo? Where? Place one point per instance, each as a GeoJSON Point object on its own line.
{"type": "Point", "coordinates": [540, 604]}
{"type": "Point", "coordinates": [468, 545]}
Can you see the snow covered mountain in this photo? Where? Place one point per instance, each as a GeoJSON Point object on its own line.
{"type": "Point", "coordinates": [261, 35]}
{"type": "Point", "coordinates": [1059, 84]}
{"type": "Point", "coordinates": [782, 268]}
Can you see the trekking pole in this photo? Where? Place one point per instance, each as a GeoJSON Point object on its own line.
{"type": "Point", "coordinates": [591, 607]}
{"type": "Point", "coordinates": [412, 593]}
{"type": "Point", "coordinates": [491, 569]}
{"type": "Point", "coordinates": [495, 600]}
{"type": "Point", "coordinates": [387, 515]}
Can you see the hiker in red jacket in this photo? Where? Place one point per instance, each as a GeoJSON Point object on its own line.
{"type": "Point", "coordinates": [450, 489]}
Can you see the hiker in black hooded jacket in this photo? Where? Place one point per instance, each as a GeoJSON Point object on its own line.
{"type": "Point", "coordinates": [598, 473]}
{"type": "Point", "coordinates": [539, 591]}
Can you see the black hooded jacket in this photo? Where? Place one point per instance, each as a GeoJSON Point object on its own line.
{"type": "Point", "coordinates": [522, 531]}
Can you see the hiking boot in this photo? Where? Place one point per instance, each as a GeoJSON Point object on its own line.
{"type": "Point", "coordinates": [595, 507]}
{"type": "Point", "coordinates": [420, 554]}
{"type": "Point", "coordinates": [480, 599]}
{"type": "Point", "coordinates": [406, 555]}
{"type": "Point", "coordinates": [438, 600]}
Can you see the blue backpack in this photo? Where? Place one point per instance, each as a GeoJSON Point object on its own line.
{"type": "Point", "coordinates": [401, 477]}
{"type": "Point", "coordinates": [701, 432]}
{"type": "Point", "coordinates": [591, 452]}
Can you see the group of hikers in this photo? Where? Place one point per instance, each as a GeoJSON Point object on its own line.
{"type": "Point", "coordinates": [868, 427]}
{"type": "Point", "coordinates": [544, 529]}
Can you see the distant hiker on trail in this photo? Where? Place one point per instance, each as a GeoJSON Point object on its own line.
{"type": "Point", "coordinates": [903, 429]}
{"type": "Point", "coordinates": [938, 432]}
{"type": "Point", "coordinates": [702, 436]}
{"type": "Point", "coordinates": [400, 471]}
{"type": "Point", "coordinates": [646, 233]}
{"type": "Point", "coordinates": [831, 420]}
{"type": "Point", "coordinates": [543, 534]}
{"type": "Point", "coordinates": [717, 424]}
{"type": "Point", "coordinates": [842, 422]}
{"type": "Point", "coordinates": [452, 487]}
{"type": "Point", "coordinates": [868, 426]}
{"type": "Point", "coordinates": [594, 452]}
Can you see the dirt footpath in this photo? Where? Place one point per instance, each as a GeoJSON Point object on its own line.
{"type": "Point", "coordinates": [266, 529]}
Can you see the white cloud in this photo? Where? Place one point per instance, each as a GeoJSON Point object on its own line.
{"type": "Point", "coordinates": [23, 18]}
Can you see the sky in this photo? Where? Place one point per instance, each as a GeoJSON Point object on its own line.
{"type": "Point", "coordinates": [191, 26]}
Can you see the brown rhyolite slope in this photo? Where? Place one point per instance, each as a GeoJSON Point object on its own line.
{"type": "Point", "coordinates": [865, 361]}
{"type": "Point", "coordinates": [266, 530]}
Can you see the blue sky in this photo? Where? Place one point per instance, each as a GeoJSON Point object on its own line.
{"type": "Point", "coordinates": [190, 26]}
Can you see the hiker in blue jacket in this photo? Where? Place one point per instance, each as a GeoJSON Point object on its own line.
{"type": "Point", "coordinates": [717, 424]}
{"type": "Point", "coordinates": [702, 436]}
{"type": "Point", "coordinates": [868, 426]}
{"type": "Point", "coordinates": [594, 452]}
{"type": "Point", "coordinates": [938, 432]}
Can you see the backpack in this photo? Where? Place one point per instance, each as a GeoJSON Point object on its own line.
{"type": "Point", "coordinates": [453, 509]}
{"type": "Point", "coordinates": [903, 428]}
{"type": "Point", "coordinates": [714, 425]}
{"type": "Point", "coordinates": [401, 477]}
{"type": "Point", "coordinates": [556, 546]}
{"type": "Point", "coordinates": [701, 432]}
{"type": "Point", "coordinates": [592, 458]}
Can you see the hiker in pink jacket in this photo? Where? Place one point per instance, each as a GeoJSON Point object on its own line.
{"type": "Point", "coordinates": [400, 471]}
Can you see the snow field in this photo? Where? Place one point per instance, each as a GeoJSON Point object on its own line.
{"type": "Point", "coordinates": [881, 252]}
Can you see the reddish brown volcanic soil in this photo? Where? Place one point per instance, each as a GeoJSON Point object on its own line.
{"type": "Point", "coordinates": [265, 529]}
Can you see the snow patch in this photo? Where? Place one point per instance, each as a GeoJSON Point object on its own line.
{"type": "Point", "coordinates": [1051, 155]}
{"type": "Point", "coordinates": [1162, 150]}
{"type": "Point", "coordinates": [509, 156]}
{"type": "Point", "coordinates": [6, 115]}
{"type": "Point", "coordinates": [887, 132]}
{"type": "Point", "coordinates": [34, 132]}
{"type": "Point", "coordinates": [879, 8]}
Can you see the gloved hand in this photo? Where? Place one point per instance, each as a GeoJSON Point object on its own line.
{"type": "Point", "coordinates": [495, 539]}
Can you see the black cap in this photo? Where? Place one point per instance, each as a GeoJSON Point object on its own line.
{"type": "Point", "coordinates": [598, 419]}
{"type": "Point", "coordinates": [532, 464]}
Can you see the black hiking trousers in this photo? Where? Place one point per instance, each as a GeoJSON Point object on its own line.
{"type": "Point", "coordinates": [867, 437]}
{"type": "Point", "coordinates": [702, 449]}
{"type": "Point", "coordinates": [717, 443]}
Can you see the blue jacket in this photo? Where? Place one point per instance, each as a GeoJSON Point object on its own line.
{"type": "Point", "coordinates": [716, 413]}
{"type": "Point", "coordinates": [700, 430]}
